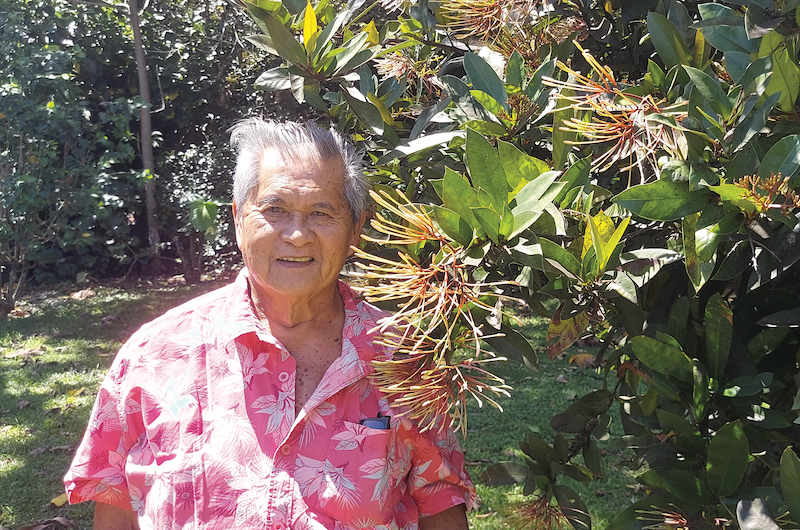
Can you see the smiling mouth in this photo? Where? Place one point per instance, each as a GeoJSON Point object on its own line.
{"type": "Point", "coordinates": [297, 260]}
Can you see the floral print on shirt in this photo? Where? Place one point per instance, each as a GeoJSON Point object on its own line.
{"type": "Point", "coordinates": [195, 427]}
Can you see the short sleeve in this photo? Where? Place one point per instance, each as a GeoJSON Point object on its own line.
{"type": "Point", "coordinates": [438, 479]}
{"type": "Point", "coordinates": [98, 470]}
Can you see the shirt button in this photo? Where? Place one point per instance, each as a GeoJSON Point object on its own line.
{"type": "Point", "coordinates": [286, 449]}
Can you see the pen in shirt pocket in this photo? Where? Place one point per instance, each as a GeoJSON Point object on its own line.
{"type": "Point", "coordinates": [381, 422]}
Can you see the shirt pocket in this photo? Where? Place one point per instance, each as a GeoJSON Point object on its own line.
{"type": "Point", "coordinates": [362, 456]}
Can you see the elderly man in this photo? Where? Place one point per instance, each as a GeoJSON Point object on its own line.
{"type": "Point", "coordinates": [250, 407]}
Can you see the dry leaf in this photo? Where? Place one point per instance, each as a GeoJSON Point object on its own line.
{"type": "Point", "coordinates": [83, 294]}
{"type": "Point", "coordinates": [59, 501]}
{"type": "Point", "coordinates": [109, 318]}
{"type": "Point", "coordinates": [22, 404]}
{"type": "Point", "coordinates": [562, 379]}
{"type": "Point", "coordinates": [583, 360]}
{"type": "Point", "coordinates": [23, 352]}
{"type": "Point", "coordinates": [76, 391]}
{"type": "Point", "coordinates": [37, 451]}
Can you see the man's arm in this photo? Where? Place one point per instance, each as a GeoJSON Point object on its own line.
{"type": "Point", "coordinates": [108, 517]}
{"type": "Point", "coordinates": [454, 518]}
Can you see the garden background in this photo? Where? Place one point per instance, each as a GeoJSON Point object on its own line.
{"type": "Point", "coordinates": [603, 193]}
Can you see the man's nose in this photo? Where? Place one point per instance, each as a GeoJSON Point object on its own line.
{"type": "Point", "coordinates": [297, 230]}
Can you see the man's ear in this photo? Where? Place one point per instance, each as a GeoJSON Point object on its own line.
{"type": "Point", "coordinates": [237, 226]}
{"type": "Point", "coordinates": [358, 228]}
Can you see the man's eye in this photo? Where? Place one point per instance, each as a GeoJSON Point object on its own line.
{"type": "Point", "coordinates": [274, 209]}
{"type": "Point", "coordinates": [319, 214]}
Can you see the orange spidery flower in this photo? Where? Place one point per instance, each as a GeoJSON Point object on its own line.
{"type": "Point", "coordinates": [541, 513]}
{"type": "Point", "coordinates": [433, 321]}
{"type": "Point", "coordinates": [617, 116]}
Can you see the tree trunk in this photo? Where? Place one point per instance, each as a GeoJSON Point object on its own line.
{"type": "Point", "coordinates": [146, 142]}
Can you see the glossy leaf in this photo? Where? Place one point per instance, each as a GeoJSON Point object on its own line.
{"type": "Point", "coordinates": [562, 138]}
{"type": "Point", "coordinates": [285, 43]}
{"type": "Point", "coordinates": [789, 318]}
{"type": "Point", "coordinates": [420, 144]}
{"type": "Point", "coordinates": [274, 79]}
{"type": "Point", "coordinates": [662, 200]}
{"type": "Point", "coordinates": [785, 79]}
{"type": "Point", "coordinates": [513, 345]}
{"type": "Point", "coordinates": [662, 358]}
{"type": "Point", "coordinates": [790, 481]}
{"type": "Point", "coordinates": [484, 78]}
{"type": "Point", "coordinates": [727, 459]}
{"type": "Point", "coordinates": [366, 112]}
{"type": "Point", "coordinates": [751, 125]}
{"type": "Point", "coordinates": [489, 221]}
{"type": "Point", "coordinates": [718, 324]}
{"type": "Point", "coordinates": [576, 176]}
{"type": "Point", "coordinates": [711, 91]}
{"type": "Point", "coordinates": [453, 225]}
{"type": "Point", "coordinates": [678, 317]}
{"type": "Point", "coordinates": [515, 69]}
{"type": "Point", "coordinates": [679, 483]}
{"type": "Point", "coordinates": [700, 390]}
{"type": "Point", "coordinates": [555, 252]}
{"type": "Point", "coordinates": [668, 41]}
{"type": "Point", "coordinates": [699, 271]}
{"type": "Point", "coordinates": [783, 158]}
{"type": "Point", "coordinates": [519, 168]}
{"type": "Point", "coordinates": [485, 170]}
{"type": "Point", "coordinates": [686, 436]}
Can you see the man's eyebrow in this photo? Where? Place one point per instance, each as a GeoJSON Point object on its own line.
{"type": "Point", "coordinates": [323, 205]}
{"type": "Point", "coordinates": [269, 199]}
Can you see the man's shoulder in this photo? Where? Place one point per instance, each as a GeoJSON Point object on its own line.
{"type": "Point", "coordinates": [208, 313]}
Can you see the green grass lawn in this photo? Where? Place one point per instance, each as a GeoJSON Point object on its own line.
{"type": "Point", "coordinates": [54, 354]}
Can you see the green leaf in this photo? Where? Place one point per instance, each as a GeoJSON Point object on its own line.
{"type": "Point", "coordinates": [668, 41]}
{"type": "Point", "coordinates": [790, 481]}
{"type": "Point", "coordinates": [662, 200]}
{"type": "Point", "coordinates": [539, 189]}
{"type": "Point", "coordinates": [484, 78]}
{"type": "Point", "coordinates": [785, 77]}
{"type": "Point", "coordinates": [719, 330]}
{"type": "Point", "coordinates": [459, 196]}
{"type": "Point", "coordinates": [711, 92]}
{"type": "Point", "coordinates": [678, 317]}
{"type": "Point", "coordinates": [485, 170]}
{"type": "Point", "coordinates": [514, 345]}
{"type": "Point", "coordinates": [687, 437]}
{"type": "Point", "coordinates": [515, 69]}
{"type": "Point", "coordinates": [366, 112]}
{"type": "Point", "coordinates": [347, 58]}
{"type": "Point", "coordinates": [539, 450]}
{"type": "Point", "coordinates": [203, 214]}
{"type": "Point", "coordinates": [682, 484]}
{"type": "Point", "coordinates": [263, 41]}
{"type": "Point", "coordinates": [783, 158]}
{"type": "Point", "coordinates": [748, 385]}
{"type": "Point", "coordinates": [787, 318]}
{"type": "Point", "coordinates": [537, 91]}
{"type": "Point", "coordinates": [561, 138]}
{"type": "Point", "coordinates": [700, 391]}
{"type": "Point", "coordinates": [751, 125]}
{"type": "Point", "coordinates": [727, 459]}
{"type": "Point", "coordinates": [519, 168]}
{"type": "Point", "coordinates": [420, 144]}
{"type": "Point", "coordinates": [453, 225]}
{"type": "Point", "coordinates": [505, 474]}
{"type": "Point", "coordinates": [576, 176]}
{"type": "Point", "coordinates": [662, 358]}
{"type": "Point", "coordinates": [555, 252]}
{"type": "Point", "coordinates": [699, 271]}
{"type": "Point", "coordinates": [489, 221]}
{"type": "Point", "coordinates": [285, 43]}
{"type": "Point", "coordinates": [490, 104]}
{"type": "Point", "coordinates": [274, 79]}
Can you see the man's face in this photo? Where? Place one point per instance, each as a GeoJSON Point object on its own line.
{"type": "Point", "coordinates": [296, 230]}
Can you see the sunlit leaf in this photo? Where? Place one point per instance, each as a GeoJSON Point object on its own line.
{"type": "Point", "coordinates": [727, 459]}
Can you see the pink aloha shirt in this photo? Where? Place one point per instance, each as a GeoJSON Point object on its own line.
{"type": "Point", "coordinates": [195, 427]}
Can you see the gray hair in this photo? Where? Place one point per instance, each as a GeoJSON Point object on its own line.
{"type": "Point", "coordinates": [250, 138]}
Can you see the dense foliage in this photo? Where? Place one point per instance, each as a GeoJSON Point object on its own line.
{"type": "Point", "coordinates": [71, 177]}
{"type": "Point", "coordinates": [637, 163]}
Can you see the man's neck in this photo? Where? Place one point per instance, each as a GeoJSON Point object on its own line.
{"type": "Point", "coordinates": [286, 317]}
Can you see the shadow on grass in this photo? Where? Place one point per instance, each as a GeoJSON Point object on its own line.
{"type": "Point", "coordinates": [51, 364]}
